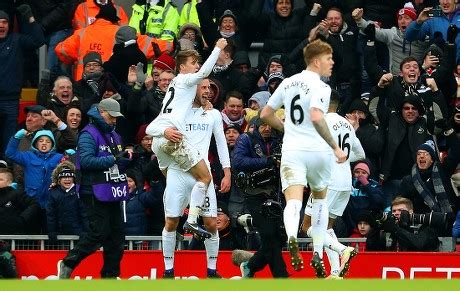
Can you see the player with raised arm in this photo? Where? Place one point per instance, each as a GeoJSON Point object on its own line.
{"type": "Point", "coordinates": [306, 156]}
{"type": "Point", "coordinates": [177, 105]}
{"type": "Point", "coordinates": [200, 126]}
{"type": "Point", "coordinates": [338, 191]}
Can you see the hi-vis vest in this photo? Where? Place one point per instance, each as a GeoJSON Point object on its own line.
{"type": "Point", "coordinates": [161, 22]}
{"type": "Point", "coordinates": [189, 14]}
{"type": "Point", "coordinates": [86, 12]}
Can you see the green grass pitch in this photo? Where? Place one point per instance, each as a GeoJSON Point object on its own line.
{"type": "Point", "coordinates": [233, 285]}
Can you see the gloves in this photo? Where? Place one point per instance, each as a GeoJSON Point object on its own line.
{"type": "Point", "coordinates": [389, 225]}
{"type": "Point", "coordinates": [363, 180]}
{"type": "Point", "coordinates": [452, 32]}
{"type": "Point", "coordinates": [20, 134]}
{"type": "Point", "coordinates": [369, 31]}
{"type": "Point", "coordinates": [70, 152]}
{"type": "Point", "coordinates": [404, 219]}
{"type": "Point", "coordinates": [140, 75]}
{"type": "Point", "coordinates": [25, 11]}
{"type": "Point", "coordinates": [123, 158]}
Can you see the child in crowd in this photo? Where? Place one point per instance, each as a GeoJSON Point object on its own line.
{"type": "Point", "coordinates": [64, 212]}
{"type": "Point", "coordinates": [38, 162]}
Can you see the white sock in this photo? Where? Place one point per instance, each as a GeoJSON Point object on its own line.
{"type": "Point", "coordinates": [319, 220]}
{"type": "Point", "coordinates": [212, 249]}
{"type": "Point", "coordinates": [291, 217]}
{"type": "Point", "coordinates": [331, 242]}
{"type": "Point", "coordinates": [196, 200]}
{"type": "Point", "coordinates": [332, 255]}
{"type": "Point", "coordinates": [168, 239]}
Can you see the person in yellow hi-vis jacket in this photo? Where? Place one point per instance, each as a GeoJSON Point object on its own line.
{"type": "Point", "coordinates": [156, 18]}
{"type": "Point", "coordinates": [188, 14]}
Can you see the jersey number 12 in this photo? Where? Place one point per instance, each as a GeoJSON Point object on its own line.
{"type": "Point", "coordinates": [165, 108]}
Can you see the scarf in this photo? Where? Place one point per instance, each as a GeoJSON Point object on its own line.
{"type": "Point", "coordinates": [439, 202]}
{"type": "Point", "coordinates": [220, 68]}
{"type": "Point", "coordinates": [228, 121]}
{"type": "Point", "coordinates": [227, 34]}
{"type": "Point", "coordinates": [409, 89]}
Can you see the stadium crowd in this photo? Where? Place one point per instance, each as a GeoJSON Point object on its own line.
{"type": "Point", "coordinates": [397, 73]}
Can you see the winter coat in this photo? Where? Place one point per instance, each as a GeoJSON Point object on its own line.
{"type": "Point", "coordinates": [18, 211]}
{"type": "Point", "coordinates": [37, 166]}
{"type": "Point", "coordinates": [122, 58]}
{"type": "Point", "coordinates": [53, 15]}
{"type": "Point", "coordinates": [136, 218]}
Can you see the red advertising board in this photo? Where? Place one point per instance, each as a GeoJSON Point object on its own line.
{"type": "Point", "coordinates": [148, 265]}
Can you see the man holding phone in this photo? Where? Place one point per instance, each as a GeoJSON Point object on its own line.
{"type": "Point", "coordinates": [442, 18]}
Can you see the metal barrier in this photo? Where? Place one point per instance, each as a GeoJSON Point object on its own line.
{"type": "Point", "coordinates": [66, 242]}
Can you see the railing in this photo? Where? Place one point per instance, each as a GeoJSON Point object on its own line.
{"type": "Point", "coordinates": [66, 242]}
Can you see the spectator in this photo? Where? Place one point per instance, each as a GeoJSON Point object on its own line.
{"type": "Point", "coordinates": [38, 162]}
{"type": "Point", "coordinates": [193, 33]}
{"type": "Point", "coordinates": [86, 13]}
{"type": "Point", "coordinates": [428, 26]}
{"type": "Point", "coordinates": [406, 129]}
{"type": "Point", "coordinates": [159, 19]}
{"type": "Point", "coordinates": [273, 81]}
{"type": "Point", "coordinates": [366, 195]}
{"type": "Point", "coordinates": [393, 37]}
{"type": "Point", "coordinates": [233, 110]}
{"type": "Point", "coordinates": [188, 14]}
{"type": "Point", "coordinates": [62, 97]}
{"type": "Point", "coordinates": [227, 25]}
{"type": "Point", "coordinates": [13, 47]}
{"type": "Point", "coordinates": [282, 30]}
{"type": "Point", "coordinates": [64, 211]}
{"type": "Point", "coordinates": [365, 227]}
{"type": "Point", "coordinates": [18, 212]}
{"type": "Point", "coordinates": [87, 88]}
{"type": "Point", "coordinates": [428, 188]}
{"type": "Point", "coordinates": [164, 62]}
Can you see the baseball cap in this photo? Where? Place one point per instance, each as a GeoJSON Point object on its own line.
{"type": "Point", "coordinates": [3, 164]}
{"type": "Point", "coordinates": [111, 106]}
{"type": "Point", "coordinates": [34, 108]}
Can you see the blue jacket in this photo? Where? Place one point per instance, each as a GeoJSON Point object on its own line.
{"type": "Point", "coordinates": [428, 28]}
{"type": "Point", "coordinates": [38, 166]}
{"type": "Point", "coordinates": [12, 49]}
{"type": "Point", "coordinates": [64, 212]}
{"type": "Point", "coordinates": [244, 156]}
{"type": "Point", "coordinates": [87, 151]}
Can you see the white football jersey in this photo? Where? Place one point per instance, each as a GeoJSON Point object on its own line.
{"type": "Point", "coordinates": [299, 94]}
{"type": "Point", "coordinates": [200, 125]}
{"type": "Point", "coordinates": [344, 135]}
{"type": "Point", "coordinates": [179, 97]}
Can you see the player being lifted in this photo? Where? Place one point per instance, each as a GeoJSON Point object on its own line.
{"type": "Point", "coordinates": [306, 155]}
{"type": "Point", "coordinates": [177, 105]}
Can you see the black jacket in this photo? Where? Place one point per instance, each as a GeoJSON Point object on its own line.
{"type": "Point", "coordinates": [19, 213]}
{"type": "Point", "coordinates": [122, 58]}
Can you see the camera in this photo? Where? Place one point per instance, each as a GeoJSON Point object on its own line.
{"type": "Point", "coordinates": [245, 220]}
{"type": "Point", "coordinates": [272, 209]}
{"type": "Point", "coordinates": [263, 181]}
{"type": "Point", "coordinates": [432, 219]}
{"type": "Point", "coordinates": [436, 12]}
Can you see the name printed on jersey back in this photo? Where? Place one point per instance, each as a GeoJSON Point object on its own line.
{"type": "Point", "coordinates": [298, 84]}
{"type": "Point", "coordinates": [340, 124]}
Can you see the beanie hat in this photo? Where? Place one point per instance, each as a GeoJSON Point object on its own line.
{"type": "Point", "coordinates": [66, 172]}
{"type": "Point", "coordinates": [362, 166]}
{"type": "Point", "coordinates": [92, 57]}
{"type": "Point", "coordinates": [141, 133]}
{"type": "Point", "coordinates": [358, 104]}
{"type": "Point", "coordinates": [233, 126]}
{"type": "Point", "coordinates": [365, 215]}
{"type": "Point", "coordinates": [125, 33]}
{"type": "Point", "coordinates": [261, 98]}
{"type": "Point", "coordinates": [4, 15]}
{"type": "Point", "coordinates": [408, 10]}
{"type": "Point", "coordinates": [227, 13]}
{"type": "Point", "coordinates": [3, 164]}
{"type": "Point", "coordinates": [429, 147]}
{"type": "Point", "coordinates": [109, 13]}
{"type": "Point", "coordinates": [275, 76]}
{"type": "Point", "coordinates": [416, 101]}
{"type": "Point", "coordinates": [165, 62]}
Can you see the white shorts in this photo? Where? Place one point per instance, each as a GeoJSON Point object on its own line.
{"type": "Point", "coordinates": [302, 168]}
{"type": "Point", "coordinates": [336, 203]}
{"type": "Point", "coordinates": [176, 197]}
{"type": "Point", "coordinates": [168, 152]}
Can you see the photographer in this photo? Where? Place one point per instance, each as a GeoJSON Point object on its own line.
{"type": "Point", "coordinates": [407, 231]}
{"type": "Point", "coordinates": [253, 158]}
